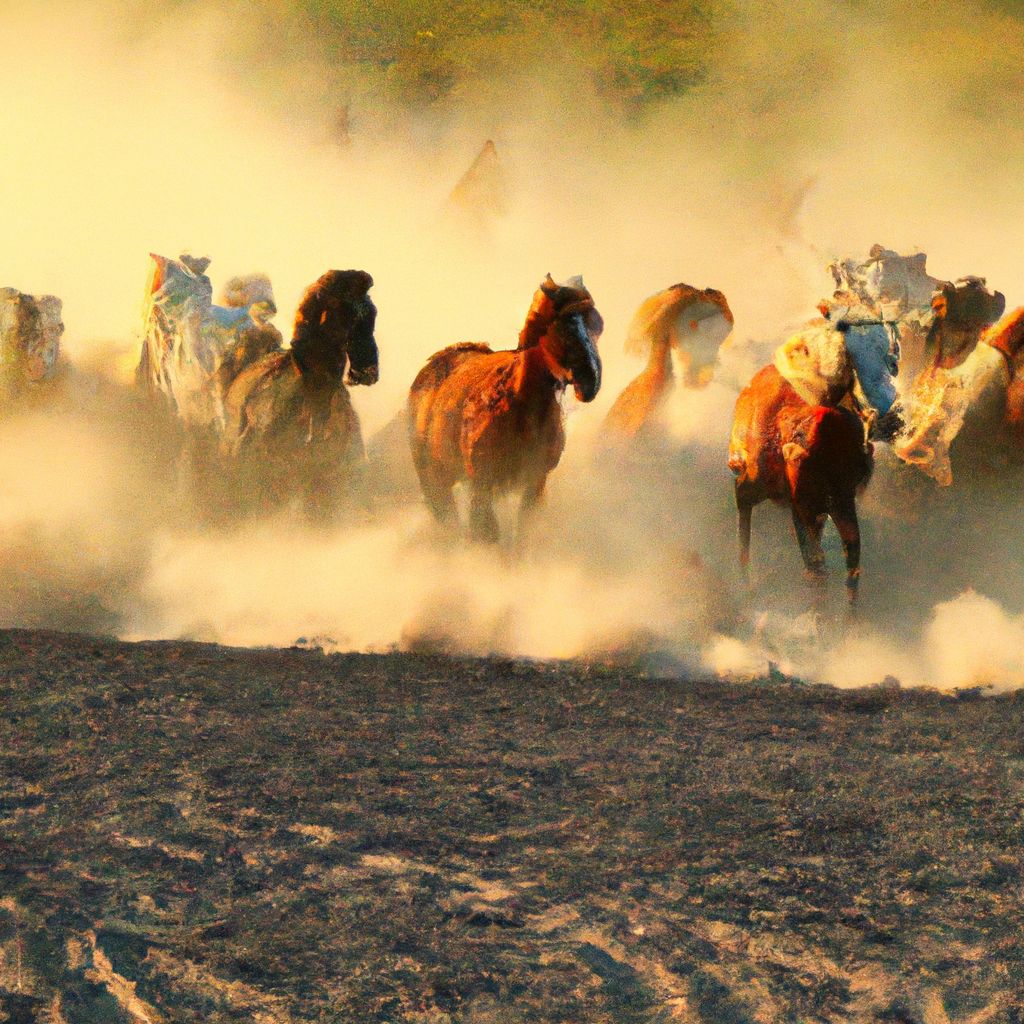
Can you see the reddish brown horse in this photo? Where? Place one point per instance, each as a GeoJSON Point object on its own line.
{"type": "Point", "coordinates": [494, 418]}
{"type": "Point", "coordinates": [812, 457]}
{"type": "Point", "coordinates": [288, 415]}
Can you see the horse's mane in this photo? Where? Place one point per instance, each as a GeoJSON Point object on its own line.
{"type": "Point", "coordinates": [538, 320]}
{"type": "Point", "coordinates": [651, 326]}
{"type": "Point", "coordinates": [339, 284]}
{"type": "Point", "coordinates": [552, 300]}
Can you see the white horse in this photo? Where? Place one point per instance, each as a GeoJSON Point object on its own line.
{"type": "Point", "coordinates": [190, 344]}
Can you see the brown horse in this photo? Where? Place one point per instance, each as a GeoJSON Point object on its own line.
{"type": "Point", "coordinates": [693, 323]}
{"type": "Point", "coordinates": [494, 418]}
{"type": "Point", "coordinates": [288, 415]}
{"type": "Point", "coordinates": [812, 457]}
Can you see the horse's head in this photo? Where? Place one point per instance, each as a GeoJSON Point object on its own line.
{"type": "Point", "coordinates": [817, 364]}
{"type": "Point", "coordinates": [336, 319]}
{"type": "Point", "coordinates": [703, 321]}
{"type": "Point", "coordinates": [968, 303]}
{"type": "Point", "coordinates": [961, 311]}
{"type": "Point", "coordinates": [565, 323]}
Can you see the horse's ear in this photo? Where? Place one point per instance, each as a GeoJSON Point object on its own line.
{"type": "Point", "coordinates": [548, 286]}
{"type": "Point", "coordinates": [576, 282]}
{"type": "Point", "coordinates": [197, 264]}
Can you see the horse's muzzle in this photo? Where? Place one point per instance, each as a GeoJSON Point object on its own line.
{"type": "Point", "coordinates": [367, 375]}
{"type": "Point", "coordinates": [586, 388]}
{"type": "Point", "coordinates": [584, 366]}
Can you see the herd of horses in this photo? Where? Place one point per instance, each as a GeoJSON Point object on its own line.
{"type": "Point", "coordinates": [803, 435]}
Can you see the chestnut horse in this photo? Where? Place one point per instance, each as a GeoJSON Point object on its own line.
{"type": "Point", "coordinates": [289, 413]}
{"type": "Point", "coordinates": [494, 418]}
{"type": "Point", "coordinates": [693, 323]}
{"type": "Point", "coordinates": [810, 456]}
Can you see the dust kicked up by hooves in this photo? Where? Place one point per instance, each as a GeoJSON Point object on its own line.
{"type": "Point", "coordinates": [126, 143]}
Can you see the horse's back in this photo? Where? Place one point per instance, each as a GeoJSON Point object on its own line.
{"type": "Point", "coordinates": [432, 388]}
{"type": "Point", "coordinates": [463, 418]}
{"type": "Point", "coordinates": [257, 384]}
{"type": "Point", "coordinates": [442, 364]}
{"type": "Point", "coordinates": [755, 454]}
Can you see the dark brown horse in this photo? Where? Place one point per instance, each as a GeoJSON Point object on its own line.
{"type": "Point", "coordinates": [494, 418]}
{"type": "Point", "coordinates": [289, 416]}
{"type": "Point", "coordinates": [962, 311]}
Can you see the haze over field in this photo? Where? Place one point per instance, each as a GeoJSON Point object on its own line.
{"type": "Point", "coordinates": [798, 133]}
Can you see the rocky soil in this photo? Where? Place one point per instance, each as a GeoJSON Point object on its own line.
{"type": "Point", "coordinates": [192, 833]}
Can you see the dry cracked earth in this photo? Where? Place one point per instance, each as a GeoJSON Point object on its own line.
{"type": "Point", "coordinates": [191, 833]}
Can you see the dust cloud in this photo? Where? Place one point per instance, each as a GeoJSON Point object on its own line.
{"type": "Point", "coordinates": [820, 129]}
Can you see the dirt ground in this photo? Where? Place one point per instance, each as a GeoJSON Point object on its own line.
{"type": "Point", "coordinates": [194, 833]}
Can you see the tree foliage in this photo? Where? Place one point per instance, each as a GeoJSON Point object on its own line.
{"type": "Point", "coordinates": [421, 51]}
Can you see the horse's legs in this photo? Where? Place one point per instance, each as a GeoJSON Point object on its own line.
{"type": "Point", "coordinates": [844, 515]}
{"type": "Point", "coordinates": [744, 508]}
{"type": "Point", "coordinates": [483, 523]}
{"type": "Point", "coordinates": [532, 497]}
{"type": "Point", "coordinates": [437, 490]}
{"type": "Point", "coordinates": [808, 525]}
{"type": "Point", "coordinates": [440, 498]}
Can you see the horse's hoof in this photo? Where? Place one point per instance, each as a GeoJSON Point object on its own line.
{"type": "Point", "coordinates": [852, 589]}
